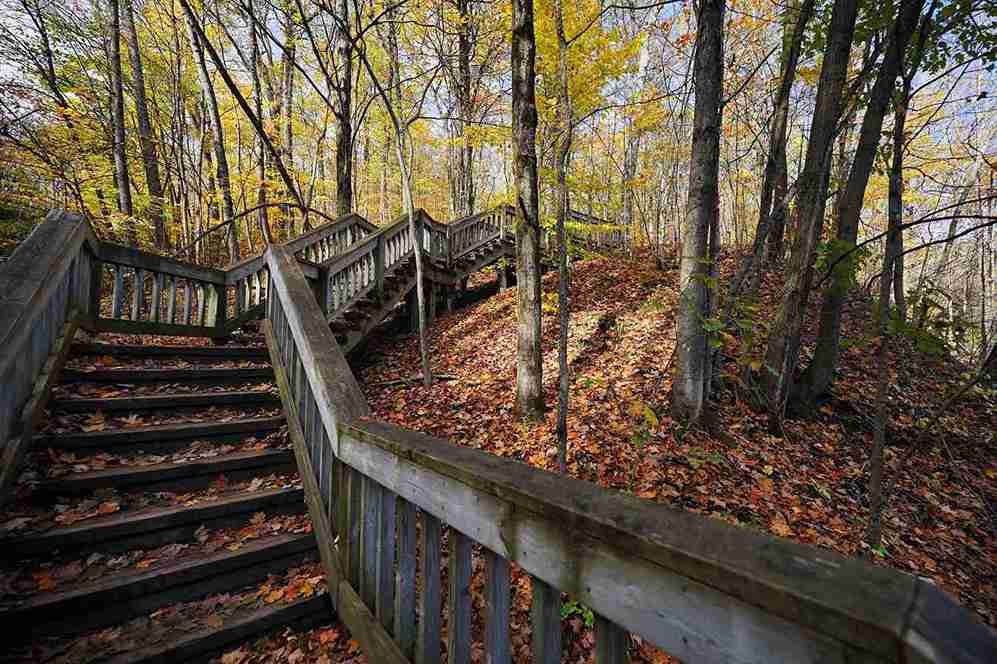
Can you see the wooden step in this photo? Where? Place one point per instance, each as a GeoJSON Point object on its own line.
{"type": "Point", "coordinates": [126, 595]}
{"type": "Point", "coordinates": [199, 352]}
{"type": "Point", "coordinates": [128, 376]}
{"type": "Point", "coordinates": [236, 429]}
{"type": "Point", "coordinates": [185, 475]}
{"type": "Point", "coordinates": [149, 528]}
{"type": "Point", "coordinates": [201, 644]}
{"type": "Point", "coordinates": [158, 402]}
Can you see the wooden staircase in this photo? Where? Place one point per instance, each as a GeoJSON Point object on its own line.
{"type": "Point", "coordinates": [161, 517]}
{"type": "Point", "coordinates": [353, 323]}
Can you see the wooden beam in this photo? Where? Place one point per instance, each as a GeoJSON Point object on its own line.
{"type": "Point", "coordinates": [699, 588]}
{"type": "Point", "coordinates": [24, 429]}
{"type": "Point", "coordinates": [109, 252]}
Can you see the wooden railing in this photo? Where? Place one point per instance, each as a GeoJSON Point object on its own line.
{"type": "Point", "coordinates": [470, 233]}
{"type": "Point", "coordinates": [46, 285]}
{"type": "Point", "coordinates": [360, 270]}
{"type": "Point", "coordinates": [386, 502]}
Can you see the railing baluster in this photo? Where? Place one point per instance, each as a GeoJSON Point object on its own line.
{"type": "Point", "coordinates": [497, 606]}
{"type": "Point", "coordinates": [459, 624]}
{"type": "Point", "coordinates": [157, 289]}
{"type": "Point", "coordinates": [385, 603]}
{"type": "Point", "coordinates": [371, 527]}
{"type": "Point", "coordinates": [355, 521]}
{"type": "Point", "coordinates": [610, 642]}
{"type": "Point", "coordinates": [404, 630]}
{"type": "Point", "coordinates": [240, 295]}
{"type": "Point", "coordinates": [138, 295]}
{"type": "Point", "coordinates": [545, 615]}
{"type": "Point", "coordinates": [118, 294]}
{"type": "Point", "coordinates": [188, 292]}
{"type": "Point", "coordinates": [428, 648]}
{"type": "Point", "coordinates": [201, 293]}
{"type": "Point", "coordinates": [171, 300]}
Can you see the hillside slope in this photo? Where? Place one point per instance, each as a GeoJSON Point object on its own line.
{"type": "Point", "coordinates": [809, 486]}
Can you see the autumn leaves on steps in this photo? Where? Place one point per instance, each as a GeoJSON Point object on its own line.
{"type": "Point", "coordinates": [160, 517]}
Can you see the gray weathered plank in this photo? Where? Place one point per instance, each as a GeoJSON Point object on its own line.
{"type": "Point", "coordinates": [118, 292]}
{"type": "Point", "coordinates": [188, 293]}
{"type": "Point", "coordinates": [582, 539]}
{"type": "Point", "coordinates": [171, 300]}
{"type": "Point", "coordinates": [428, 645]}
{"type": "Point", "coordinates": [336, 391]}
{"type": "Point", "coordinates": [385, 605]}
{"type": "Point", "coordinates": [545, 615]}
{"type": "Point", "coordinates": [404, 629]}
{"type": "Point", "coordinates": [370, 554]}
{"type": "Point", "coordinates": [497, 607]}
{"type": "Point", "coordinates": [355, 525]}
{"type": "Point", "coordinates": [136, 258]}
{"type": "Point", "coordinates": [138, 294]}
{"type": "Point", "coordinates": [459, 600]}
{"type": "Point", "coordinates": [157, 289]}
{"type": "Point", "coordinates": [610, 642]}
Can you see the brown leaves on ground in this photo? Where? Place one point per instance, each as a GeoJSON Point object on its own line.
{"type": "Point", "coordinates": [809, 485]}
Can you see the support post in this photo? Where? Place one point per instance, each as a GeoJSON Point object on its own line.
{"type": "Point", "coordinates": [379, 269]}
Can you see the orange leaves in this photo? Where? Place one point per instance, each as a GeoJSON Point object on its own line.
{"type": "Point", "coordinates": [69, 517]}
{"type": "Point", "coordinates": [95, 422]}
{"type": "Point", "coordinates": [779, 526]}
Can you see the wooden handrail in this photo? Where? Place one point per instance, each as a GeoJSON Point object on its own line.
{"type": "Point", "coordinates": [701, 589]}
{"type": "Point", "coordinates": [46, 283]}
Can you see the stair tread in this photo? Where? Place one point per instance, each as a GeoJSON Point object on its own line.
{"type": "Point", "coordinates": [133, 475]}
{"type": "Point", "coordinates": [188, 568]}
{"type": "Point", "coordinates": [159, 401]}
{"type": "Point", "coordinates": [163, 431]}
{"type": "Point", "coordinates": [164, 375]}
{"type": "Point", "coordinates": [136, 521]}
{"type": "Point", "coordinates": [194, 628]}
{"type": "Point", "coordinates": [101, 348]}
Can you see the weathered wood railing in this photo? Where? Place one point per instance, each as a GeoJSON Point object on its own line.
{"type": "Point", "coordinates": [385, 502]}
{"type": "Point", "coordinates": [45, 287]}
{"type": "Point", "coordinates": [248, 278]}
{"type": "Point", "coordinates": [472, 232]}
{"type": "Point", "coordinates": [143, 293]}
{"type": "Point", "coordinates": [360, 270]}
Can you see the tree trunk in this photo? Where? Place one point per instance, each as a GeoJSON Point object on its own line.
{"type": "Point", "coordinates": [791, 46]}
{"type": "Point", "coordinates": [218, 143]}
{"type": "Point", "coordinates": [874, 529]}
{"type": "Point", "coordinates": [263, 216]}
{"type": "Point", "coordinates": [566, 121]}
{"type": "Point", "coordinates": [150, 159]}
{"type": "Point", "coordinates": [529, 353]}
{"type": "Point", "coordinates": [121, 177]}
{"type": "Point", "coordinates": [692, 367]}
{"type": "Point", "coordinates": [464, 205]}
{"type": "Point", "coordinates": [344, 109]}
{"type": "Point", "coordinates": [287, 91]}
{"type": "Point", "coordinates": [818, 376]}
{"type": "Point", "coordinates": [784, 339]}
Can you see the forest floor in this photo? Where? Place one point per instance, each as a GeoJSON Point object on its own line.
{"type": "Point", "coordinates": [809, 485]}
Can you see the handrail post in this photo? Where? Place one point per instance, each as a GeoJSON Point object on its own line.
{"type": "Point", "coordinates": [379, 268]}
{"type": "Point", "coordinates": [220, 309]}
